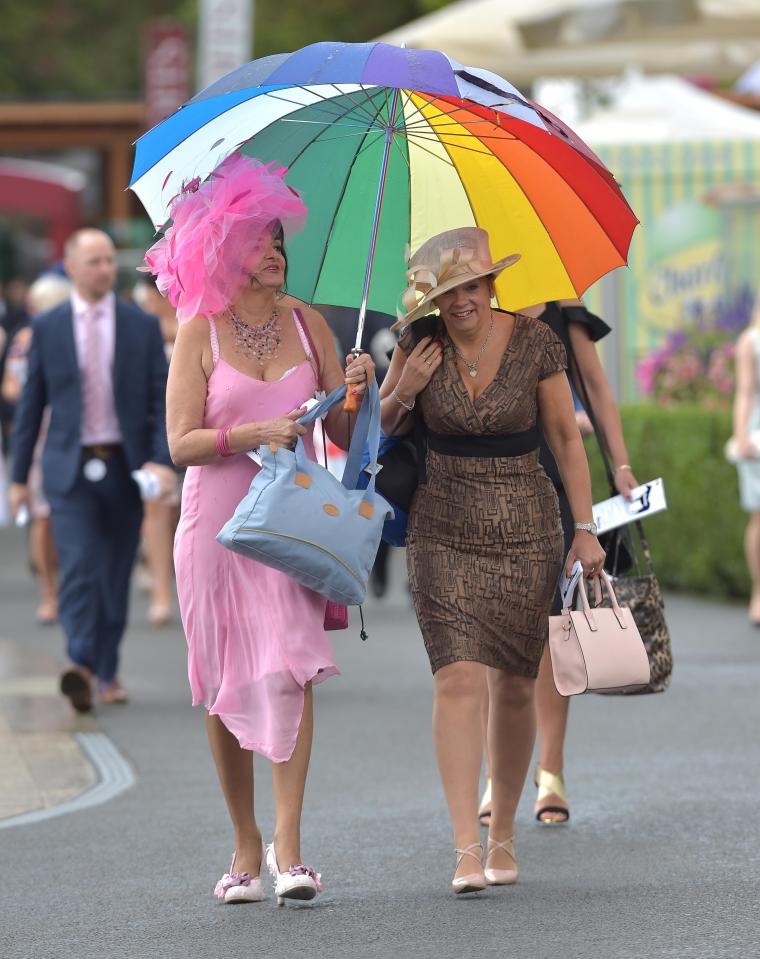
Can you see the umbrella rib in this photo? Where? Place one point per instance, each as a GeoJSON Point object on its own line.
{"type": "Point", "coordinates": [444, 113]}
{"type": "Point", "coordinates": [311, 142]}
{"type": "Point", "coordinates": [447, 159]}
{"type": "Point", "coordinates": [334, 217]}
{"type": "Point", "coordinates": [527, 200]}
{"type": "Point", "coordinates": [361, 106]}
{"type": "Point", "coordinates": [455, 146]}
{"type": "Point", "coordinates": [297, 103]}
{"type": "Point", "coordinates": [328, 123]}
{"type": "Point", "coordinates": [326, 101]}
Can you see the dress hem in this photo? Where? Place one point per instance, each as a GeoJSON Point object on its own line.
{"type": "Point", "coordinates": [263, 749]}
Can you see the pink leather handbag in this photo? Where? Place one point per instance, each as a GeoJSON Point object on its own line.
{"type": "Point", "coordinates": [597, 650]}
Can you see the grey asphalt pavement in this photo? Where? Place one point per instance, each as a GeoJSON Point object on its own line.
{"type": "Point", "coordinates": [661, 858]}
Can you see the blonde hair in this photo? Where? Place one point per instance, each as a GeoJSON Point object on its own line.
{"type": "Point", "coordinates": [47, 291]}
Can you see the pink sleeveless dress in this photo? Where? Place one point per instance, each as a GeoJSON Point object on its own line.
{"type": "Point", "coordinates": [255, 637]}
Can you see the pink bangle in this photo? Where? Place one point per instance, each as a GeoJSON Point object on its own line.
{"type": "Point", "coordinates": [223, 442]}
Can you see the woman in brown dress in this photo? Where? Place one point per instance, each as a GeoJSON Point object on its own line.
{"type": "Point", "coordinates": [484, 545]}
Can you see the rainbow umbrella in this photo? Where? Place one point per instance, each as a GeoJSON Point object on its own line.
{"type": "Point", "coordinates": [389, 146]}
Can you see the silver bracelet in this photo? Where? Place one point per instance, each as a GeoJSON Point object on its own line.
{"type": "Point", "coordinates": [398, 399]}
{"type": "Point", "coordinates": [623, 466]}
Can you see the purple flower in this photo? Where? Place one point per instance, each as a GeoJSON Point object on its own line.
{"type": "Point", "coordinates": [229, 880]}
{"type": "Point", "coordinates": [300, 870]}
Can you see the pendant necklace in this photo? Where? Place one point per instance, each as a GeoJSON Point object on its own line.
{"type": "Point", "coordinates": [262, 341]}
{"type": "Point", "coordinates": [473, 367]}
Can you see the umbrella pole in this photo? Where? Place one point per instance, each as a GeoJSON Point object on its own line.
{"type": "Point", "coordinates": [350, 404]}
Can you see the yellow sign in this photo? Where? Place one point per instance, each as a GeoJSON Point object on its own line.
{"type": "Point", "coordinates": [678, 285]}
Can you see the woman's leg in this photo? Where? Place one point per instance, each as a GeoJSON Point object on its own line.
{"type": "Point", "coordinates": [158, 541]}
{"type": "Point", "coordinates": [484, 809]}
{"type": "Point", "coordinates": [551, 717]}
{"type": "Point", "coordinates": [511, 735]}
{"type": "Point", "coordinates": [234, 766]}
{"type": "Point", "coordinates": [289, 780]}
{"type": "Point", "coordinates": [457, 736]}
{"type": "Point", "coordinates": [45, 562]}
{"type": "Point", "coordinates": [752, 552]}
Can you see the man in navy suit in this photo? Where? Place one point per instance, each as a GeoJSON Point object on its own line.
{"type": "Point", "coordinates": [98, 363]}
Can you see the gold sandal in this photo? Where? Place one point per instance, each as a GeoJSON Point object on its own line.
{"type": "Point", "coordinates": [550, 785]}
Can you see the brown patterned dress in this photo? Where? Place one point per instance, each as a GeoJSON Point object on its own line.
{"type": "Point", "coordinates": [484, 543]}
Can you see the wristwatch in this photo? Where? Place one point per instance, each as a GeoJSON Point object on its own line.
{"type": "Point", "coordinates": [588, 527]}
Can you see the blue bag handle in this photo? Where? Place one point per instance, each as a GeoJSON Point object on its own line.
{"type": "Point", "coordinates": [366, 432]}
{"type": "Point", "coordinates": [323, 406]}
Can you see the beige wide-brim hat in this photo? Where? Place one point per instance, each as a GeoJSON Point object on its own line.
{"type": "Point", "coordinates": [443, 262]}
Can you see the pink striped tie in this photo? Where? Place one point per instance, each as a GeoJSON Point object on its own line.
{"type": "Point", "coordinates": [94, 383]}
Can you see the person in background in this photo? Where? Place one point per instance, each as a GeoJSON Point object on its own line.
{"type": "Point", "coordinates": [578, 330]}
{"type": "Point", "coordinates": [47, 291]}
{"type": "Point", "coordinates": [747, 452]}
{"type": "Point", "coordinates": [99, 364]}
{"type": "Point", "coordinates": [13, 316]}
{"type": "Point", "coordinates": [161, 516]}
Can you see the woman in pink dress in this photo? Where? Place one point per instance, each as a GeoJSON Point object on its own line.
{"type": "Point", "coordinates": [246, 360]}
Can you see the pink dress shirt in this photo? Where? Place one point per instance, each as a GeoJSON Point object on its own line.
{"type": "Point", "coordinates": [98, 425]}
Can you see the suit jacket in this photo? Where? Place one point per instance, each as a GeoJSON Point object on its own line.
{"type": "Point", "coordinates": [139, 385]}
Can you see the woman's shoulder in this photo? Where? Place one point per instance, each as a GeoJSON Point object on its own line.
{"type": "Point", "coordinates": [748, 342]}
{"type": "Point", "coordinates": [196, 329]}
{"type": "Point", "coordinates": [317, 324]}
{"type": "Point", "coordinates": [535, 328]}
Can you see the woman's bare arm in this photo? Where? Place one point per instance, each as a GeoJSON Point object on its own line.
{"type": "Point", "coordinates": [746, 385]}
{"type": "Point", "coordinates": [603, 406]}
{"type": "Point", "coordinates": [557, 416]}
{"type": "Point", "coordinates": [406, 378]}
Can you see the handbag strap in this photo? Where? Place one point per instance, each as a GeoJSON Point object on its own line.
{"type": "Point", "coordinates": [577, 376]}
{"type": "Point", "coordinates": [583, 392]}
{"type": "Point", "coordinates": [587, 610]}
{"type": "Point", "coordinates": [313, 354]}
{"type": "Point", "coordinates": [366, 430]}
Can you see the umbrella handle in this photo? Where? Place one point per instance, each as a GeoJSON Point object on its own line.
{"type": "Point", "coordinates": [351, 403]}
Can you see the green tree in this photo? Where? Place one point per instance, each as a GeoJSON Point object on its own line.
{"type": "Point", "coordinates": [91, 50]}
{"type": "Point", "coordinates": [78, 49]}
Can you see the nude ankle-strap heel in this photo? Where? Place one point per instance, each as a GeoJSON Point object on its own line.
{"type": "Point", "coordinates": [501, 877]}
{"type": "Point", "coordinates": [473, 882]}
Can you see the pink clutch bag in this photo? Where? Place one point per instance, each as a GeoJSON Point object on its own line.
{"type": "Point", "coordinates": [597, 650]}
{"type": "Point", "coordinates": [336, 615]}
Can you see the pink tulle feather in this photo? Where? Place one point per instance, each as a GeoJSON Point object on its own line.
{"type": "Point", "coordinates": [217, 232]}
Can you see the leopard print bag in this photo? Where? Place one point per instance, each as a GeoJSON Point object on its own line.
{"type": "Point", "coordinates": [641, 593]}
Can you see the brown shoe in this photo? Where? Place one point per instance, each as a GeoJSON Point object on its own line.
{"type": "Point", "coordinates": [76, 685]}
{"type": "Point", "coordinates": [113, 692]}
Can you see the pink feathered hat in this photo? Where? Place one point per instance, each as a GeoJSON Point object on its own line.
{"type": "Point", "coordinates": [217, 232]}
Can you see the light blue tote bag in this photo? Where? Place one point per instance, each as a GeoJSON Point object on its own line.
{"type": "Point", "coordinates": [298, 518]}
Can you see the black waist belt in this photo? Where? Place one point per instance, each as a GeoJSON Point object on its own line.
{"type": "Point", "coordinates": [473, 444]}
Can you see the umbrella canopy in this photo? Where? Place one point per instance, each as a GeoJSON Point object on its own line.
{"type": "Point", "coordinates": [388, 147]}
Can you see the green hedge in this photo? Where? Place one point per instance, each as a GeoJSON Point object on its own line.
{"type": "Point", "coordinates": [698, 543]}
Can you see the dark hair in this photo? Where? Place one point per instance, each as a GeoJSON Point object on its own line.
{"type": "Point", "coordinates": [279, 234]}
